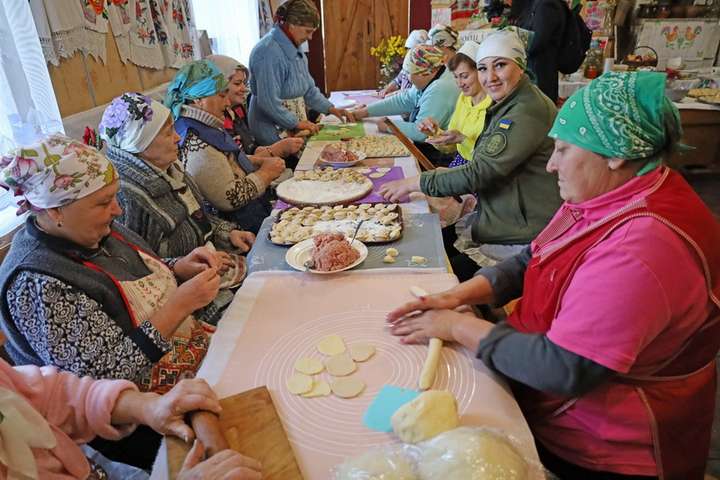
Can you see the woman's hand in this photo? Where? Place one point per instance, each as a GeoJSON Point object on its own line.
{"type": "Point", "coordinates": [165, 413]}
{"type": "Point", "coordinates": [428, 126]}
{"type": "Point", "coordinates": [311, 127]}
{"type": "Point", "coordinates": [271, 168]}
{"type": "Point", "coordinates": [199, 260]}
{"type": "Point", "coordinates": [196, 292]}
{"type": "Point", "coordinates": [225, 262]}
{"type": "Point", "coordinates": [242, 240]}
{"type": "Point", "coordinates": [448, 137]}
{"type": "Point", "coordinates": [399, 189]}
{"type": "Point", "coordinates": [438, 301]}
{"type": "Point", "coordinates": [360, 113]}
{"type": "Point", "coordinates": [389, 88]}
{"type": "Point", "coordinates": [342, 114]}
{"type": "Point", "coordinates": [286, 147]}
{"type": "Point", "coordinates": [226, 465]}
{"type": "Point", "coordinates": [429, 324]}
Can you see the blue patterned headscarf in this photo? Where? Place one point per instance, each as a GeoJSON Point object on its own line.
{"type": "Point", "coordinates": [195, 80]}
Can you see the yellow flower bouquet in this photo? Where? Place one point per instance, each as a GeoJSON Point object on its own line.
{"type": "Point", "coordinates": [390, 52]}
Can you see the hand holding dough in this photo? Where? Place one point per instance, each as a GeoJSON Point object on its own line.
{"type": "Point", "coordinates": [427, 374]}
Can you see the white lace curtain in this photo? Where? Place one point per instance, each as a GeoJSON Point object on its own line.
{"type": "Point", "coordinates": [232, 25]}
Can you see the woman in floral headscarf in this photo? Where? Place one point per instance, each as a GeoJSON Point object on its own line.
{"type": "Point", "coordinates": [402, 80]}
{"type": "Point", "coordinates": [87, 295]}
{"type": "Point", "coordinates": [445, 38]}
{"type": "Point", "coordinates": [233, 184]}
{"type": "Point", "coordinates": [612, 346]}
{"type": "Point", "coordinates": [160, 202]}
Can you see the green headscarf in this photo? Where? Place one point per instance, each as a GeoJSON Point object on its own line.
{"type": "Point", "coordinates": [621, 115]}
{"type": "Point", "coordinates": [195, 80]}
{"type": "Point", "coordinates": [299, 12]}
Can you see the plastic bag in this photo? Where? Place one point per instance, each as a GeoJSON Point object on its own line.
{"type": "Point", "coordinates": [391, 462]}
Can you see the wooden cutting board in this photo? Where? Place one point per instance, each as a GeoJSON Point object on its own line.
{"type": "Point", "coordinates": [252, 427]}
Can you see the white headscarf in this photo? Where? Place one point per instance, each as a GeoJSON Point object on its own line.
{"type": "Point", "coordinates": [469, 49]}
{"type": "Point", "coordinates": [227, 65]}
{"type": "Point", "coordinates": [416, 37]}
{"type": "Point", "coordinates": [503, 43]}
{"type": "Point", "coordinates": [444, 36]}
{"type": "Point", "coordinates": [132, 121]}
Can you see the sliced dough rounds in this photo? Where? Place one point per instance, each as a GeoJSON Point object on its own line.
{"type": "Point", "coordinates": [347, 387]}
{"type": "Point", "coordinates": [376, 175]}
{"type": "Point", "coordinates": [319, 389]}
{"type": "Point", "coordinates": [340, 365]}
{"type": "Point", "coordinates": [309, 366]}
{"type": "Point", "coordinates": [331, 345]}
{"type": "Point", "coordinates": [360, 352]}
{"type": "Point", "coordinates": [383, 169]}
{"type": "Point", "coordinates": [299, 383]}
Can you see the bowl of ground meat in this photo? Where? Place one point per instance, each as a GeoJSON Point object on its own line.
{"type": "Point", "coordinates": [340, 157]}
{"type": "Point", "coordinates": [326, 253]}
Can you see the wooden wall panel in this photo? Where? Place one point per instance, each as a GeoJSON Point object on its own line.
{"type": "Point", "coordinates": [71, 87]}
{"type": "Point", "coordinates": [113, 77]}
{"type": "Point", "coordinates": [151, 78]}
{"type": "Point", "coordinates": [351, 27]}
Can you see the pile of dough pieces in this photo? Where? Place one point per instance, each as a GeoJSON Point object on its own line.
{"type": "Point", "coordinates": [344, 175]}
{"type": "Point", "coordinates": [435, 448]}
{"type": "Point", "coordinates": [339, 363]}
{"type": "Point", "coordinates": [377, 146]}
{"type": "Point", "coordinates": [382, 223]}
{"type": "Point", "coordinates": [392, 253]}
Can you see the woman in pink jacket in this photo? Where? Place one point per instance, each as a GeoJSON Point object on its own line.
{"type": "Point", "coordinates": [46, 414]}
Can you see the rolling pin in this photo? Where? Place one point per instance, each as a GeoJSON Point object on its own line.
{"type": "Point", "coordinates": [206, 426]}
{"type": "Point", "coordinates": [427, 374]}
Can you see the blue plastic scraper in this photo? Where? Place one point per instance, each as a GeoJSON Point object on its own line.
{"type": "Point", "coordinates": [388, 400]}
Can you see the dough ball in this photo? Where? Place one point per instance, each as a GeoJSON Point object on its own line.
{"type": "Point", "coordinates": [418, 260]}
{"type": "Point", "coordinates": [340, 365]}
{"type": "Point", "coordinates": [331, 345]}
{"type": "Point", "coordinates": [309, 366]}
{"type": "Point", "coordinates": [320, 389]}
{"type": "Point", "coordinates": [361, 352]}
{"type": "Point", "coordinates": [376, 464]}
{"type": "Point", "coordinates": [347, 387]}
{"type": "Point", "coordinates": [388, 259]}
{"type": "Point", "coordinates": [429, 414]}
{"type": "Point", "coordinates": [470, 454]}
{"type": "Point", "coordinates": [299, 383]}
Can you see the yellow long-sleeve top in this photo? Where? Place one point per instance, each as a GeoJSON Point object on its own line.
{"type": "Point", "coordinates": [469, 120]}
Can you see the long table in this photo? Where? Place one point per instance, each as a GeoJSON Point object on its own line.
{"type": "Point", "coordinates": [278, 316]}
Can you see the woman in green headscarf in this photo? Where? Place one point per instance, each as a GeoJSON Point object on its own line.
{"type": "Point", "coordinates": [612, 346]}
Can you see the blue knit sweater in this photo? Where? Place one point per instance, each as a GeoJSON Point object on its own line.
{"type": "Point", "coordinates": [279, 71]}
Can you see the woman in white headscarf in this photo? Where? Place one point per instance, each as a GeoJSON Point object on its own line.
{"type": "Point", "coordinates": [445, 38]}
{"type": "Point", "coordinates": [402, 81]}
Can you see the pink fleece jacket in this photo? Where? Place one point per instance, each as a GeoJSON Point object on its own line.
{"type": "Point", "coordinates": [77, 410]}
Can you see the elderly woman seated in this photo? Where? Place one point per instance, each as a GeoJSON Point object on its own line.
{"type": "Point", "coordinates": [87, 295]}
{"type": "Point", "coordinates": [433, 94]}
{"type": "Point", "coordinates": [159, 201]}
{"type": "Point", "coordinates": [231, 183]}
{"type": "Point", "coordinates": [612, 346]}
{"type": "Point", "coordinates": [516, 197]}
{"type": "Point", "coordinates": [236, 117]}
{"type": "Point", "coordinates": [49, 414]}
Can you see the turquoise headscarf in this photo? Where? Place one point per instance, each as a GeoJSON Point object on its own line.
{"type": "Point", "coordinates": [195, 80]}
{"type": "Point", "coordinates": [621, 115]}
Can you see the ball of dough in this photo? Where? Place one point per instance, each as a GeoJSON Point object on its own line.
{"type": "Point", "coordinates": [429, 414]}
{"type": "Point", "coordinates": [470, 454]}
{"type": "Point", "coordinates": [388, 259]}
{"type": "Point", "coordinates": [393, 252]}
{"type": "Point", "coordinates": [376, 464]}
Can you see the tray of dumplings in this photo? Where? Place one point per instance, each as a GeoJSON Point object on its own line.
{"type": "Point", "coordinates": [383, 223]}
{"type": "Point", "coordinates": [375, 146]}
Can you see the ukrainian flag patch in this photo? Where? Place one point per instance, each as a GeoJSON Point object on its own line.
{"type": "Point", "coordinates": [505, 124]}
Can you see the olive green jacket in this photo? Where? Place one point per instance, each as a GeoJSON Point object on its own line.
{"type": "Point", "coordinates": [516, 196]}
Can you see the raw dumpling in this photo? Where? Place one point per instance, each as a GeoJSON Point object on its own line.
{"type": "Point", "coordinates": [470, 454]}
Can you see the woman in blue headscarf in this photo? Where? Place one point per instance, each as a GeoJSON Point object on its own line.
{"type": "Point", "coordinates": [232, 183]}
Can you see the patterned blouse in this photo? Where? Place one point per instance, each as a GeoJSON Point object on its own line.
{"type": "Point", "coordinates": [70, 330]}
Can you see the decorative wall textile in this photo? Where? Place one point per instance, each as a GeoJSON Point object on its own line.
{"type": "Point", "coordinates": [694, 40]}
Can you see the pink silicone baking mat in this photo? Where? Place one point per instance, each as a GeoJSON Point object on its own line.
{"type": "Point", "coordinates": [292, 312]}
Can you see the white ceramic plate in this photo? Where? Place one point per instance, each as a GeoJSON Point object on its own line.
{"type": "Point", "coordinates": [299, 253]}
{"type": "Point", "coordinates": [360, 157]}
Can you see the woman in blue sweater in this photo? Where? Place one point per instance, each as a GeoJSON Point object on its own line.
{"type": "Point", "coordinates": [279, 78]}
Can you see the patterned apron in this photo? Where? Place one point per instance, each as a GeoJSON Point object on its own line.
{"type": "Point", "coordinates": [296, 106]}
{"type": "Point", "coordinates": [189, 342]}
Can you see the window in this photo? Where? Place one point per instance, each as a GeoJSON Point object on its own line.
{"type": "Point", "coordinates": [232, 25]}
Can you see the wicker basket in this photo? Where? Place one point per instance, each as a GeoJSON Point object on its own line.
{"type": "Point", "coordinates": [643, 56]}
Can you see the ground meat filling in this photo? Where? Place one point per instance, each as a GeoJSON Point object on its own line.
{"type": "Point", "coordinates": [332, 252]}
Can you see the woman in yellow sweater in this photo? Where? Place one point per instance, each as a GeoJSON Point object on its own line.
{"type": "Point", "coordinates": [468, 119]}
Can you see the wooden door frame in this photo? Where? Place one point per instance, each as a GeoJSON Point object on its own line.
{"type": "Point", "coordinates": [316, 56]}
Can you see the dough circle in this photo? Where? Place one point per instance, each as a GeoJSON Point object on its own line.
{"type": "Point", "coordinates": [347, 387]}
{"type": "Point", "coordinates": [340, 365]}
{"type": "Point", "coordinates": [361, 352]}
{"type": "Point", "coordinates": [299, 383]}
{"type": "Point", "coordinates": [331, 345]}
{"type": "Point", "coordinates": [320, 389]}
{"type": "Point", "coordinates": [309, 366]}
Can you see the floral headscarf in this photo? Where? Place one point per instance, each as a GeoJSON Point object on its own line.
{"type": "Point", "coordinates": [54, 172]}
{"type": "Point", "coordinates": [444, 36]}
{"type": "Point", "coordinates": [423, 59]}
{"type": "Point", "coordinates": [196, 80]}
{"type": "Point", "coordinates": [132, 121]}
{"type": "Point", "coordinates": [298, 12]}
{"type": "Point", "coordinates": [621, 115]}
